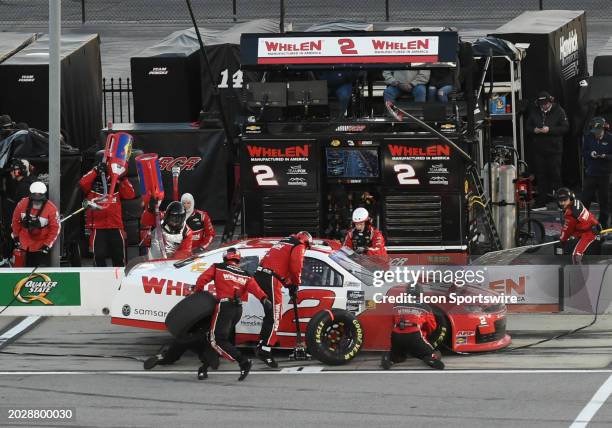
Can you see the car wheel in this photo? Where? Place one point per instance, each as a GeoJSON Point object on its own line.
{"type": "Point", "coordinates": [190, 318]}
{"type": "Point", "coordinates": [334, 337]}
{"type": "Point", "coordinates": [441, 336]}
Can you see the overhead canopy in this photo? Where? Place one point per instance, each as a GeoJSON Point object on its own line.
{"type": "Point", "coordinates": [351, 50]}
{"type": "Point", "coordinates": [10, 43]}
{"type": "Point", "coordinates": [185, 42]}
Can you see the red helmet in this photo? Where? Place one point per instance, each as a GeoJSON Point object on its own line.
{"type": "Point", "coordinates": [231, 254]}
{"type": "Point", "coordinates": [304, 237]}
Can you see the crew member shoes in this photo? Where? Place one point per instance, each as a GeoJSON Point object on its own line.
{"type": "Point", "coordinates": [245, 368]}
{"type": "Point", "coordinates": [153, 361]}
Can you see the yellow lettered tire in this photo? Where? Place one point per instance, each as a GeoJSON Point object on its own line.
{"type": "Point", "coordinates": [334, 337]}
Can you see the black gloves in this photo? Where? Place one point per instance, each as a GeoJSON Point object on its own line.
{"type": "Point", "coordinates": [16, 242]}
{"type": "Point", "coordinates": [152, 204]}
{"type": "Point", "coordinates": [267, 305]}
{"type": "Point", "coordinates": [293, 289]}
{"type": "Point", "coordinates": [100, 167]}
{"type": "Point", "coordinates": [361, 250]}
{"type": "Point", "coordinates": [45, 249]}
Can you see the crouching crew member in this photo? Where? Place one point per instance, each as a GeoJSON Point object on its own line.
{"type": "Point", "coordinates": [280, 267]}
{"type": "Point", "coordinates": [173, 352]}
{"type": "Point", "coordinates": [412, 323]}
{"type": "Point", "coordinates": [363, 238]}
{"type": "Point", "coordinates": [199, 222]}
{"type": "Point", "coordinates": [105, 221]}
{"type": "Point", "coordinates": [579, 223]}
{"type": "Point", "coordinates": [175, 237]}
{"type": "Point", "coordinates": [35, 227]}
{"type": "Point", "coordinates": [232, 285]}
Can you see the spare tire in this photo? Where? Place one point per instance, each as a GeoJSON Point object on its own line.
{"type": "Point", "coordinates": [190, 317]}
{"type": "Point", "coordinates": [334, 337]}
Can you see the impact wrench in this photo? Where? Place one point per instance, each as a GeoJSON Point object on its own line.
{"type": "Point", "coordinates": [299, 353]}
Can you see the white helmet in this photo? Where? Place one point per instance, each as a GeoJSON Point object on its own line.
{"type": "Point", "coordinates": [38, 187]}
{"type": "Point", "coordinates": [360, 215]}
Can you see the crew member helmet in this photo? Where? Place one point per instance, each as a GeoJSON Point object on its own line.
{"type": "Point", "coordinates": [360, 215]}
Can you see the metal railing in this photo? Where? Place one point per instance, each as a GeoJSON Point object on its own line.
{"type": "Point", "coordinates": [117, 100]}
{"type": "Point", "coordinates": [405, 11]}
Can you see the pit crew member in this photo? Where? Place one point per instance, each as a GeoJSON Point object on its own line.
{"type": "Point", "coordinates": [412, 323]}
{"type": "Point", "coordinates": [280, 267]}
{"type": "Point", "coordinates": [35, 226]}
{"type": "Point", "coordinates": [231, 286]}
{"type": "Point", "coordinates": [175, 237]}
{"type": "Point", "coordinates": [199, 222]}
{"type": "Point", "coordinates": [104, 220]}
{"type": "Point", "coordinates": [579, 223]}
{"type": "Point", "coordinates": [363, 238]}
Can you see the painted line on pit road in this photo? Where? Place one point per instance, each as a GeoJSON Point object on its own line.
{"type": "Point", "coordinates": [14, 331]}
{"type": "Point", "coordinates": [593, 406]}
{"type": "Point", "coordinates": [310, 371]}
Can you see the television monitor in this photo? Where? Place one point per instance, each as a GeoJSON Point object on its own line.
{"type": "Point", "coordinates": [352, 163]}
{"type": "Point", "coordinates": [307, 93]}
{"type": "Point", "coordinates": [266, 94]}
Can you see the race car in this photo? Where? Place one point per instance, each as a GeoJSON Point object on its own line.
{"type": "Point", "coordinates": [341, 311]}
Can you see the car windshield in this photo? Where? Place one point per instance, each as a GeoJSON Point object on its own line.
{"type": "Point", "coordinates": [362, 266]}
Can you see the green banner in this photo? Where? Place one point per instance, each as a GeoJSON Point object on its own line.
{"type": "Point", "coordinates": [40, 289]}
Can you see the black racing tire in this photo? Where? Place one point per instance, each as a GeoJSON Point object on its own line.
{"type": "Point", "coordinates": [530, 232]}
{"type": "Point", "coordinates": [334, 337]}
{"type": "Point", "coordinates": [190, 318]}
{"type": "Point", "coordinates": [440, 338]}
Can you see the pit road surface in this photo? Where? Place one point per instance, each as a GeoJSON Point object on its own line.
{"type": "Point", "coordinates": [548, 386]}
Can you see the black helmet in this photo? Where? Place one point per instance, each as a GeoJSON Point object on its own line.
{"type": "Point", "coordinates": [174, 217]}
{"type": "Point", "coordinates": [597, 124]}
{"type": "Point", "coordinates": [21, 165]}
{"type": "Point", "coordinates": [564, 194]}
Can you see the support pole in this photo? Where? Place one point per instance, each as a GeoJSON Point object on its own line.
{"type": "Point", "coordinates": [55, 30]}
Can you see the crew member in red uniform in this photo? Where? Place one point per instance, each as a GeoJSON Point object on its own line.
{"type": "Point", "coordinates": [280, 267]}
{"type": "Point", "coordinates": [231, 286]}
{"type": "Point", "coordinates": [35, 226]}
{"type": "Point", "coordinates": [104, 220]}
{"type": "Point", "coordinates": [199, 222]}
{"type": "Point", "coordinates": [579, 223]}
{"type": "Point", "coordinates": [412, 323]}
{"type": "Point", "coordinates": [364, 238]}
{"type": "Point", "coordinates": [174, 239]}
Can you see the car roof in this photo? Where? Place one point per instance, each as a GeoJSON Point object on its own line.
{"type": "Point", "coordinates": [326, 246]}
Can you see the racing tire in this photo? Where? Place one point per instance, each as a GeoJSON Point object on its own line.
{"type": "Point", "coordinates": [189, 319]}
{"type": "Point", "coordinates": [334, 337]}
{"type": "Point", "coordinates": [440, 338]}
{"type": "Point", "coordinates": [530, 232]}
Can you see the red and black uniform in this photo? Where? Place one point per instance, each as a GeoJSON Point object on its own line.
{"type": "Point", "coordinates": [411, 326]}
{"type": "Point", "coordinates": [281, 266]}
{"type": "Point", "coordinates": [231, 285]}
{"type": "Point", "coordinates": [581, 224]}
{"type": "Point", "coordinates": [370, 242]}
{"type": "Point", "coordinates": [176, 245]}
{"type": "Point", "coordinates": [203, 231]}
{"type": "Point", "coordinates": [107, 234]}
{"type": "Point", "coordinates": [36, 230]}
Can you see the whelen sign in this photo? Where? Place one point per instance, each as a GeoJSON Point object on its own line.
{"type": "Point", "coordinates": [360, 49]}
{"type": "Point", "coordinates": [392, 49]}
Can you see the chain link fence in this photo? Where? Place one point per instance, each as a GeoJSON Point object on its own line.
{"type": "Point", "coordinates": [409, 12]}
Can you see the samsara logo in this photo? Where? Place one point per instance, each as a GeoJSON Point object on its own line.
{"type": "Point", "coordinates": [286, 152]}
{"type": "Point", "coordinates": [34, 288]}
{"type": "Point", "coordinates": [166, 163]}
{"type": "Point", "coordinates": [158, 285]}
